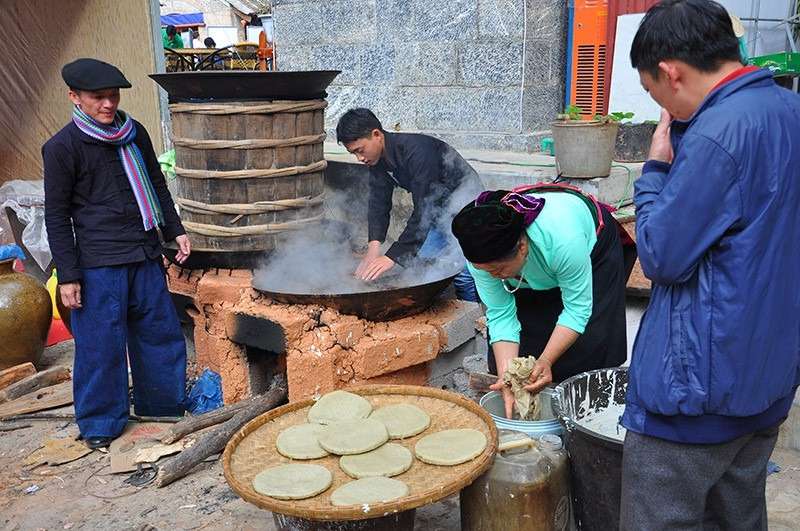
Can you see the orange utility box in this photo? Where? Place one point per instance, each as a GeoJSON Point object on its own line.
{"type": "Point", "coordinates": [588, 56]}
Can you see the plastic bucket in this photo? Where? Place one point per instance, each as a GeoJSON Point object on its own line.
{"type": "Point", "coordinates": [493, 403]}
{"type": "Point", "coordinates": [588, 405]}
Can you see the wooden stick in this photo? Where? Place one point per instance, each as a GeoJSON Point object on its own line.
{"type": "Point", "coordinates": [480, 381]}
{"type": "Point", "coordinates": [193, 424]}
{"type": "Point", "coordinates": [511, 445]}
{"type": "Point", "coordinates": [35, 382]}
{"type": "Point", "coordinates": [214, 441]}
{"type": "Point", "coordinates": [16, 373]}
{"type": "Point", "coordinates": [15, 427]}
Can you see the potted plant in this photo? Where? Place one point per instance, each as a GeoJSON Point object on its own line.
{"type": "Point", "coordinates": [584, 148]}
{"type": "Point", "coordinates": [633, 139]}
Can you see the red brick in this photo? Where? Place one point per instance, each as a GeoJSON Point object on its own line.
{"type": "Point", "coordinates": [292, 319]}
{"type": "Point", "coordinates": [348, 330]}
{"type": "Point", "coordinates": [217, 288]}
{"type": "Point", "coordinates": [311, 373]}
{"type": "Point", "coordinates": [414, 375]}
{"type": "Point", "coordinates": [225, 358]}
{"type": "Point", "coordinates": [395, 348]}
{"type": "Point", "coordinates": [182, 281]}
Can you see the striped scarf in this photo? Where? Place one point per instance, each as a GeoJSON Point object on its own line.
{"type": "Point", "coordinates": [122, 134]}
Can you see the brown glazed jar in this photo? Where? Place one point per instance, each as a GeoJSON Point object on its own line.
{"type": "Point", "coordinates": [25, 315]}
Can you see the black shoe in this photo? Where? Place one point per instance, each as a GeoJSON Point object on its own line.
{"type": "Point", "coordinates": [97, 442]}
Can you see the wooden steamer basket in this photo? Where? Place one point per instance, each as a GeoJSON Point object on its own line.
{"type": "Point", "coordinates": [252, 449]}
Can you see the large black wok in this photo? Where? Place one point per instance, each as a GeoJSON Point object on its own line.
{"type": "Point", "coordinates": [384, 302]}
{"type": "Point", "coordinates": [244, 85]}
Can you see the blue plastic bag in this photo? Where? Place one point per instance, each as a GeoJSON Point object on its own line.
{"type": "Point", "coordinates": [206, 393]}
{"type": "Point", "coordinates": [12, 250]}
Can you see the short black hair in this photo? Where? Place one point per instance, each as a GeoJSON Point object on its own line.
{"type": "Point", "coordinates": [171, 30]}
{"type": "Point", "coordinates": [697, 32]}
{"type": "Point", "coordinates": [356, 123]}
{"type": "Point", "coordinates": [208, 42]}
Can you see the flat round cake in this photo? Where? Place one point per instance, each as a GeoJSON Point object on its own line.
{"type": "Point", "coordinates": [402, 420]}
{"type": "Point", "coordinates": [300, 442]}
{"type": "Point", "coordinates": [369, 490]}
{"type": "Point", "coordinates": [353, 436]}
{"type": "Point", "coordinates": [293, 481]}
{"type": "Point", "coordinates": [388, 460]}
{"type": "Point", "coordinates": [338, 406]}
{"type": "Point", "coordinates": [450, 447]}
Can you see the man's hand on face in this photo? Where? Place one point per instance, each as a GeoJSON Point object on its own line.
{"type": "Point", "coordinates": [71, 294]}
{"type": "Point", "coordinates": [661, 145]}
{"type": "Point", "coordinates": [184, 248]}
{"type": "Point", "coordinates": [376, 268]}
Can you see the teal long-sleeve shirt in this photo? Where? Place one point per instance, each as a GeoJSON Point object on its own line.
{"type": "Point", "coordinates": [560, 244]}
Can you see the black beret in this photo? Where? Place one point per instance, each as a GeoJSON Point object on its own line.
{"type": "Point", "coordinates": [489, 231]}
{"type": "Point", "coordinates": [91, 74]}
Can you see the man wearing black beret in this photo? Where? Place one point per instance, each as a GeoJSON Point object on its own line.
{"type": "Point", "coordinates": [105, 202]}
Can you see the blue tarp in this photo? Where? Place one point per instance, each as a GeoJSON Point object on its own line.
{"type": "Point", "coordinates": [183, 20]}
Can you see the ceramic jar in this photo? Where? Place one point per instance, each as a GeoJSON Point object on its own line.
{"type": "Point", "coordinates": [25, 315]}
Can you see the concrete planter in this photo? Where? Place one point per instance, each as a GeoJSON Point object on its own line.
{"type": "Point", "coordinates": [584, 149]}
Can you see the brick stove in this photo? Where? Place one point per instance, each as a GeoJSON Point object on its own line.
{"type": "Point", "coordinates": [246, 337]}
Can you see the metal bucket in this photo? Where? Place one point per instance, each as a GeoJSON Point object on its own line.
{"type": "Point", "coordinates": [584, 149]}
{"type": "Point", "coordinates": [493, 403]}
{"type": "Point", "coordinates": [594, 446]}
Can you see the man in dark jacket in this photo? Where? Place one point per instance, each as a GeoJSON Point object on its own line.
{"type": "Point", "coordinates": [716, 362]}
{"type": "Point", "coordinates": [105, 199]}
{"type": "Point", "coordinates": [437, 176]}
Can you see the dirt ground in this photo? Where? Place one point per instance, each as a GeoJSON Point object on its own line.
{"type": "Point", "coordinates": [84, 494]}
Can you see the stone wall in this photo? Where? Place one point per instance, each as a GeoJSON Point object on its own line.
{"type": "Point", "coordinates": [482, 74]}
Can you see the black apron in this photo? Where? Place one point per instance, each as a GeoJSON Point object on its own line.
{"type": "Point", "coordinates": [604, 342]}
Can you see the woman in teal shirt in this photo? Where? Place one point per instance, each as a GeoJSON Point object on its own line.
{"type": "Point", "coordinates": [551, 270]}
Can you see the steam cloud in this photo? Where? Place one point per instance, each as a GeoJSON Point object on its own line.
{"type": "Point", "coordinates": [323, 258]}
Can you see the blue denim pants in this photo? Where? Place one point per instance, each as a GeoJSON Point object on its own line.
{"type": "Point", "coordinates": [127, 314]}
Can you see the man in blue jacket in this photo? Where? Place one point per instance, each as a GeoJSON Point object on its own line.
{"type": "Point", "coordinates": [716, 362]}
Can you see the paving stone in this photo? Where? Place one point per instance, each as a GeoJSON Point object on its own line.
{"type": "Point", "coordinates": [294, 58]}
{"type": "Point", "coordinates": [394, 21]}
{"type": "Point", "coordinates": [465, 108]}
{"type": "Point", "coordinates": [491, 64]}
{"type": "Point", "coordinates": [299, 23]}
{"type": "Point", "coordinates": [377, 64]}
{"type": "Point", "coordinates": [348, 22]}
{"type": "Point", "coordinates": [392, 105]}
{"type": "Point", "coordinates": [501, 18]}
{"type": "Point", "coordinates": [427, 63]}
{"type": "Point", "coordinates": [444, 20]}
{"type": "Point", "coordinates": [335, 57]}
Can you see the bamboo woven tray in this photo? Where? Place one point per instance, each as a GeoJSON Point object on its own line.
{"type": "Point", "coordinates": [252, 449]}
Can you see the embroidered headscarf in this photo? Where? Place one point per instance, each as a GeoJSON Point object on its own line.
{"type": "Point", "coordinates": [489, 227]}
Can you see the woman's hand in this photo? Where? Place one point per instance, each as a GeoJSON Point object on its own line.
{"type": "Point", "coordinates": [541, 376]}
{"type": "Point", "coordinates": [508, 396]}
{"type": "Point", "coordinates": [504, 352]}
